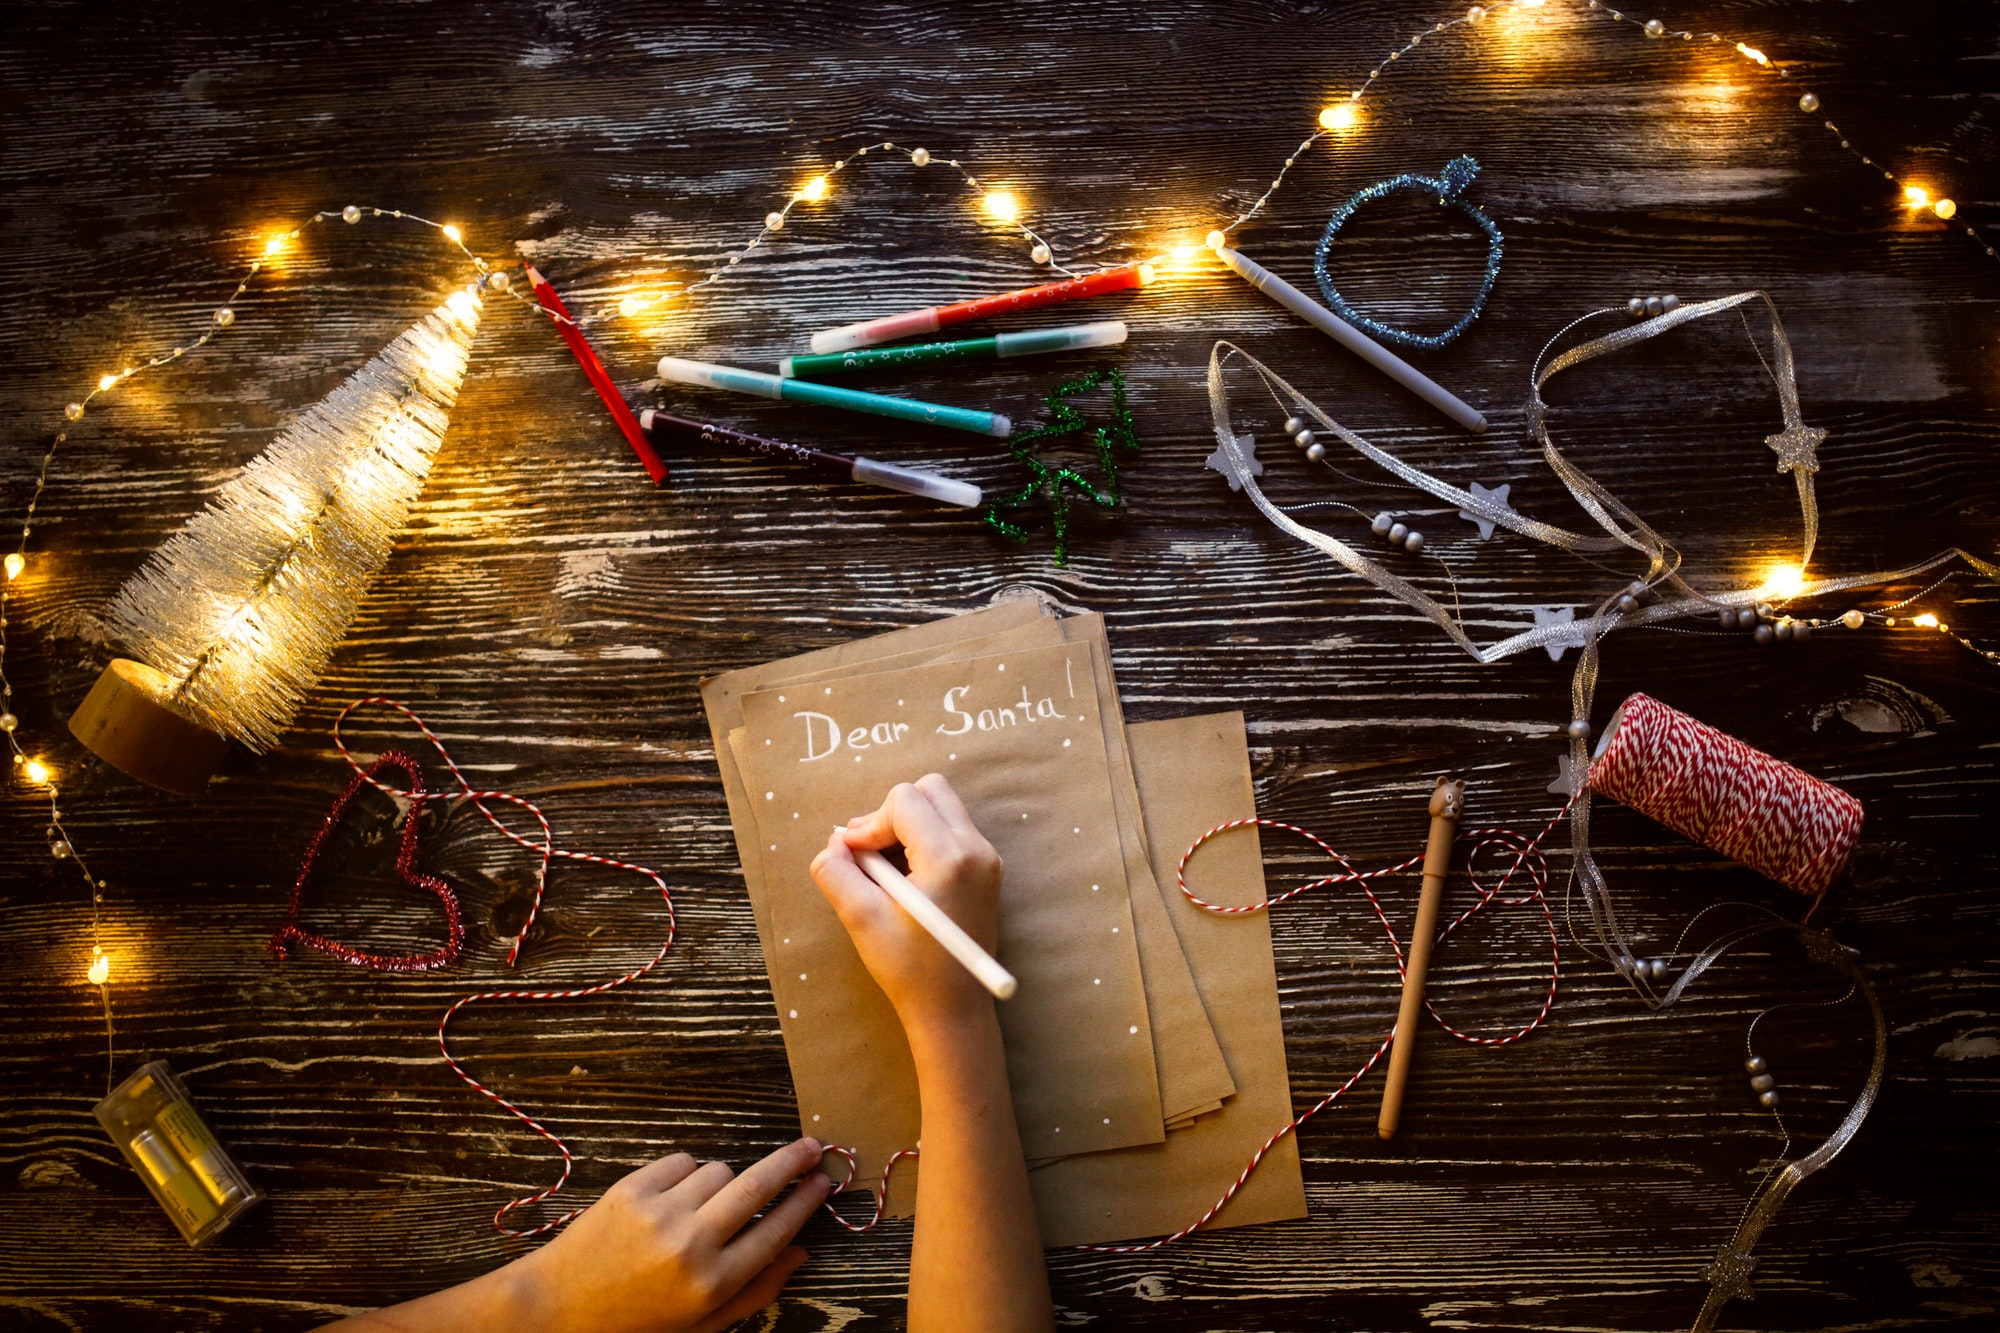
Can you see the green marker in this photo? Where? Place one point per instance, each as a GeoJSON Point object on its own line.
{"type": "Point", "coordinates": [1032, 342]}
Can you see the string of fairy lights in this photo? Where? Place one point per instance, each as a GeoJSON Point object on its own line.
{"type": "Point", "coordinates": [999, 204]}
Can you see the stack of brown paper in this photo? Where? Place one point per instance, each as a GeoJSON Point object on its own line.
{"type": "Point", "coordinates": [1144, 1046]}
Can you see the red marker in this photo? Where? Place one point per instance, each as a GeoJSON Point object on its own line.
{"type": "Point", "coordinates": [599, 377]}
{"type": "Point", "coordinates": [930, 319]}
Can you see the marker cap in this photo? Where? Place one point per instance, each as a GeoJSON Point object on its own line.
{"type": "Point", "coordinates": [1032, 342]}
{"type": "Point", "coordinates": [927, 484]}
{"type": "Point", "coordinates": [678, 371]}
{"type": "Point", "coordinates": [846, 338]}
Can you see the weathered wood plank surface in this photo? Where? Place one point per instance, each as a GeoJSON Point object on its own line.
{"type": "Point", "coordinates": [552, 614]}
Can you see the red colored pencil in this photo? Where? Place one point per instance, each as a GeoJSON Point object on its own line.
{"type": "Point", "coordinates": [599, 377]}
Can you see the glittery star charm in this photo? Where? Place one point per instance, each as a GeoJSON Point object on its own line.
{"type": "Point", "coordinates": [1498, 496]}
{"type": "Point", "coordinates": [1730, 1274]}
{"type": "Point", "coordinates": [1558, 615]}
{"type": "Point", "coordinates": [1795, 446]}
{"type": "Point", "coordinates": [1567, 773]}
{"type": "Point", "coordinates": [1219, 461]}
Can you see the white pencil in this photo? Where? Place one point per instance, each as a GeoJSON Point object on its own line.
{"type": "Point", "coordinates": [1353, 339]}
{"type": "Point", "coordinates": [942, 928]}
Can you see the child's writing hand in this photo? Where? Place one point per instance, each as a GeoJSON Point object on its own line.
{"type": "Point", "coordinates": [952, 863]}
{"type": "Point", "coordinates": [672, 1248]}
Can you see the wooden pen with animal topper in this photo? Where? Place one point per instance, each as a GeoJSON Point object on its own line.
{"type": "Point", "coordinates": [1447, 803]}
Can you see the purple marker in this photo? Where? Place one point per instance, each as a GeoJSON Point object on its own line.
{"type": "Point", "coordinates": [908, 480]}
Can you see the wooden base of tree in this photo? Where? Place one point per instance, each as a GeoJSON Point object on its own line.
{"type": "Point", "coordinates": [126, 722]}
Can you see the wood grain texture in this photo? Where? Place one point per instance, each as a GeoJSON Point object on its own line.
{"type": "Point", "coordinates": [551, 613]}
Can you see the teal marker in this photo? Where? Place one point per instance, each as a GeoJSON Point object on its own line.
{"type": "Point", "coordinates": [756, 382]}
{"type": "Point", "coordinates": [1032, 342]}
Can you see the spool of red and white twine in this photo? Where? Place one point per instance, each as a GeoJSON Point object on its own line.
{"type": "Point", "coordinates": [1708, 786]}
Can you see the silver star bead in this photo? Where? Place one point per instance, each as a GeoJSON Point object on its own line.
{"type": "Point", "coordinates": [1220, 461]}
{"type": "Point", "coordinates": [1498, 496]}
{"type": "Point", "coordinates": [1795, 446]}
{"type": "Point", "coordinates": [1558, 615]}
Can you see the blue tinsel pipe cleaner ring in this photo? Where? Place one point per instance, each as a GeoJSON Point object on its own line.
{"type": "Point", "coordinates": [1449, 187]}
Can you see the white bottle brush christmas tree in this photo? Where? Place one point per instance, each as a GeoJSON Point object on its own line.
{"type": "Point", "coordinates": [233, 619]}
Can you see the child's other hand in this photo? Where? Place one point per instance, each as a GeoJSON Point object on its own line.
{"type": "Point", "coordinates": [952, 863]}
{"type": "Point", "coordinates": [672, 1248]}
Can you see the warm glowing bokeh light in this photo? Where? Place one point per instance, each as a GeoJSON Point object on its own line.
{"type": "Point", "coordinates": [629, 306]}
{"type": "Point", "coordinates": [1785, 580]}
{"type": "Point", "coordinates": [36, 771]}
{"type": "Point", "coordinates": [15, 563]}
{"type": "Point", "coordinates": [1752, 53]}
{"type": "Point", "coordinates": [1184, 253]}
{"type": "Point", "coordinates": [1945, 209]}
{"type": "Point", "coordinates": [452, 233]}
{"type": "Point", "coordinates": [1916, 196]}
{"type": "Point", "coordinates": [105, 381]}
{"type": "Point", "coordinates": [1927, 620]}
{"type": "Point", "coordinates": [274, 245]}
{"type": "Point", "coordinates": [815, 189]}
{"type": "Point", "coordinates": [100, 966]}
{"type": "Point", "coordinates": [1000, 205]}
{"type": "Point", "coordinates": [1340, 116]}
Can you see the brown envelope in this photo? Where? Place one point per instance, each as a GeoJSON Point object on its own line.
{"type": "Point", "coordinates": [1019, 736]}
{"type": "Point", "coordinates": [1194, 773]}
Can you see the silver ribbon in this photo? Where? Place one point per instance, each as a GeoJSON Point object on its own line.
{"type": "Point", "coordinates": [1624, 528]}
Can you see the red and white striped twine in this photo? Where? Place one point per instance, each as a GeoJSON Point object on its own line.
{"type": "Point", "coordinates": [1708, 786]}
{"type": "Point", "coordinates": [545, 848]}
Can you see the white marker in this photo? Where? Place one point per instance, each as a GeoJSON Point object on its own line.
{"type": "Point", "coordinates": [1353, 339]}
{"type": "Point", "coordinates": [942, 928]}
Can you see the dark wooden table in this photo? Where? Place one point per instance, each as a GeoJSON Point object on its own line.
{"type": "Point", "coordinates": [552, 614]}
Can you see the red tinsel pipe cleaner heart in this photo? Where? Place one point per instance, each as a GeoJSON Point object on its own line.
{"type": "Point", "coordinates": [292, 933]}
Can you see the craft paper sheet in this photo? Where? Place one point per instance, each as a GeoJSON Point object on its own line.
{"type": "Point", "coordinates": [722, 696]}
{"type": "Point", "coordinates": [1194, 773]}
{"type": "Point", "coordinates": [1193, 1076]}
{"type": "Point", "coordinates": [1020, 739]}
{"type": "Point", "coordinates": [1191, 1071]}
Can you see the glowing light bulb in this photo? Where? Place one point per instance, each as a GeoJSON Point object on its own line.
{"type": "Point", "coordinates": [1215, 240]}
{"type": "Point", "coordinates": [15, 563]}
{"type": "Point", "coordinates": [36, 772]}
{"type": "Point", "coordinates": [629, 306]}
{"type": "Point", "coordinates": [1184, 253]}
{"type": "Point", "coordinates": [815, 189]}
{"type": "Point", "coordinates": [1927, 620]}
{"type": "Point", "coordinates": [105, 381]}
{"type": "Point", "coordinates": [1752, 53]}
{"type": "Point", "coordinates": [1945, 208]}
{"type": "Point", "coordinates": [1000, 205]}
{"type": "Point", "coordinates": [452, 234]}
{"type": "Point", "coordinates": [1342, 116]}
{"type": "Point", "coordinates": [274, 245]}
{"type": "Point", "coordinates": [1916, 196]}
{"type": "Point", "coordinates": [100, 966]}
{"type": "Point", "coordinates": [1785, 580]}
